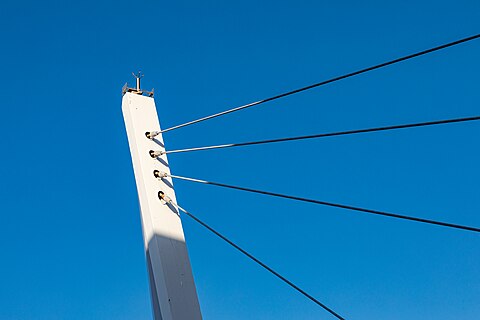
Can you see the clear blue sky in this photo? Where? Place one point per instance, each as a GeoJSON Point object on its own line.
{"type": "Point", "coordinates": [70, 234]}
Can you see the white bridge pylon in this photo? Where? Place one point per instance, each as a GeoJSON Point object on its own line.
{"type": "Point", "coordinates": [172, 287]}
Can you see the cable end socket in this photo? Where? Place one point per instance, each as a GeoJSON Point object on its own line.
{"type": "Point", "coordinates": [156, 154]}
{"type": "Point", "coordinates": [152, 134]}
{"type": "Point", "coordinates": [159, 174]}
{"type": "Point", "coordinates": [163, 197]}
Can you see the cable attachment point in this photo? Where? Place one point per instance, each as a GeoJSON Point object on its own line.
{"type": "Point", "coordinates": [156, 154]}
{"type": "Point", "coordinates": [159, 174]}
{"type": "Point", "coordinates": [152, 134]}
{"type": "Point", "coordinates": [164, 198]}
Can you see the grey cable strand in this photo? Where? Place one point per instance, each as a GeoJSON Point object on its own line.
{"type": "Point", "coordinates": [378, 66]}
{"type": "Point", "coordinates": [330, 134]}
{"type": "Point", "coordinates": [291, 284]}
{"type": "Point", "coordinates": [330, 204]}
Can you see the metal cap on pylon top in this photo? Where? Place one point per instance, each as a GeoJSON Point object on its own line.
{"type": "Point", "coordinates": [137, 89]}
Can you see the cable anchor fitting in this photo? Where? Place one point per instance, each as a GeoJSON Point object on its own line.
{"type": "Point", "coordinates": [156, 154]}
{"type": "Point", "coordinates": [164, 198]}
{"type": "Point", "coordinates": [159, 174]}
{"type": "Point", "coordinates": [152, 134]}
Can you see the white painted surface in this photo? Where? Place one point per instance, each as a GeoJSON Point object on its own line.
{"type": "Point", "coordinates": [174, 296]}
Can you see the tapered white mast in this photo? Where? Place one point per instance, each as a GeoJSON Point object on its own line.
{"type": "Point", "coordinates": [172, 287]}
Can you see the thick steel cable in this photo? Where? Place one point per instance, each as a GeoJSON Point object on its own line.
{"type": "Point", "coordinates": [330, 134]}
{"type": "Point", "coordinates": [378, 66]}
{"type": "Point", "coordinates": [224, 238]}
{"type": "Point", "coordinates": [331, 204]}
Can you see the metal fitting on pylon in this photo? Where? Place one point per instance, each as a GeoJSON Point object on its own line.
{"type": "Point", "coordinates": [156, 154]}
{"type": "Point", "coordinates": [152, 134]}
{"type": "Point", "coordinates": [159, 174]}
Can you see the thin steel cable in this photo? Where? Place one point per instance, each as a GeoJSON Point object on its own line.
{"type": "Point", "coordinates": [330, 204]}
{"type": "Point", "coordinates": [378, 66]}
{"type": "Point", "coordinates": [331, 134]}
{"type": "Point", "coordinates": [224, 238]}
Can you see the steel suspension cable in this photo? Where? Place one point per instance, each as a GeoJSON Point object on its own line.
{"type": "Point", "coordinates": [250, 256]}
{"type": "Point", "coordinates": [324, 203]}
{"type": "Point", "coordinates": [324, 135]}
{"type": "Point", "coordinates": [348, 75]}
